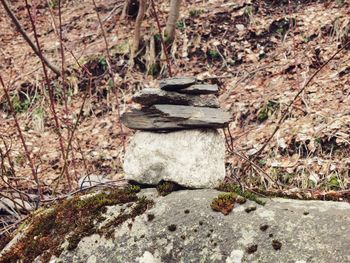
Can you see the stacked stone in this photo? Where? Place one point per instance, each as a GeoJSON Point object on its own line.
{"type": "Point", "coordinates": [178, 139]}
{"type": "Point", "coordinates": [180, 103]}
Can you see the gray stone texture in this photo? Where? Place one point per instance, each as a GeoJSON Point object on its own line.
{"type": "Point", "coordinates": [175, 117]}
{"type": "Point", "coordinates": [149, 97]}
{"type": "Point", "coordinates": [309, 232]}
{"type": "Point", "coordinates": [192, 158]}
{"type": "Point", "coordinates": [200, 89]}
{"type": "Point", "coordinates": [176, 83]}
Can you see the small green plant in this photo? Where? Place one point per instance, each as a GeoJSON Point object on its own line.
{"type": "Point", "coordinates": [318, 141]}
{"type": "Point", "coordinates": [333, 182]}
{"type": "Point", "coordinates": [307, 39]}
{"type": "Point", "coordinates": [102, 61]}
{"type": "Point", "coordinates": [52, 4]}
{"type": "Point", "coordinates": [133, 189]}
{"type": "Point", "coordinates": [180, 25]}
{"type": "Point", "coordinates": [340, 2]}
{"type": "Point", "coordinates": [263, 115]}
{"type": "Point", "coordinates": [20, 106]}
{"type": "Point", "coordinates": [213, 54]}
{"type": "Point", "coordinates": [282, 26]}
{"type": "Point", "coordinates": [195, 12]}
{"type": "Point", "coordinates": [267, 110]}
{"type": "Point", "coordinates": [281, 31]}
{"type": "Point", "coordinates": [262, 162]}
{"type": "Point", "coordinates": [157, 37]}
{"type": "Point", "coordinates": [249, 12]}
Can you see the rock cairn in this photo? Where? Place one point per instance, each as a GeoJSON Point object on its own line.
{"type": "Point", "coordinates": [178, 139]}
{"type": "Point", "coordinates": [180, 103]}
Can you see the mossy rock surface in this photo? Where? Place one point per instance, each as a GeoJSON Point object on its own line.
{"type": "Point", "coordinates": [63, 225]}
{"type": "Point", "coordinates": [182, 227]}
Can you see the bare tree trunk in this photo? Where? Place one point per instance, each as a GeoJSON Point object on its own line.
{"type": "Point", "coordinates": [172, 18]}
{"type": "Point", "coordinates": [125, 9]}
{"type": "Point", "coordinates": [27, 39]}
{"type": "Point", "coordinates": [137, 32]}
{"type": "Point", "coordinates": [151, 57]}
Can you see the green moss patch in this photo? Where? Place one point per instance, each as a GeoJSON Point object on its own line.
{"type": "Point", "coordinates": [141, 206]}
{"type": "Point", "coordinates": [165, 188]}
{"type": "Point", "coordinates": [73, 219]}
{"type": "Point", "coordinates": [227, 187]}
{"type": "Point", "coordinates": [224, 203]}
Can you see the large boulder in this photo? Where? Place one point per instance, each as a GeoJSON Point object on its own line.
{"type": "Point", "coordinates": [181, 227]}
{"type": "Point", "coordinates": [191, 158]}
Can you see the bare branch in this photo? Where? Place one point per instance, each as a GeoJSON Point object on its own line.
{"type": "Point", "coordinates": [155, 13]}
{"type": "Point", "coordinates": [27, 38]}
{"type": "Point", "coordinates": [137, 32]}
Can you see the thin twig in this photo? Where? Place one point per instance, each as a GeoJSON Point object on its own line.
{"type": "Point", "coordinates": [155, 13]}
{"type": "Point", "coordinates": [63, 69]}
{"type": "Point", "coordinates": [24, 144]}
{"type": "Point", "coordinates": [51, 94]}
{"type": "Point", "coordinates": [266, 175]}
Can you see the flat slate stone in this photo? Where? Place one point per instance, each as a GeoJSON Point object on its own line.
{"type": "Point", "coordinates": [176, 83]}
{"type": "Point", "coordinates": [200, 89]}
{"type": "Point", "coordinates": [148, 97]}
{"type": "Point", "coordinates": [175, 117]}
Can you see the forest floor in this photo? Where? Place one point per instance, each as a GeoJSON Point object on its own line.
{"type": "Point", "coordinates": [260, 53]}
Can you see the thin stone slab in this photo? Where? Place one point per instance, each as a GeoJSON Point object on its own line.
{"type": "Point", "coordinates": [175, 117]}
{"type": "Point", "coordinates": [176, 83]}
{"type": "Point", "coordinates": [200, 89]}
{"type": "Point", "coordinates": [148, 97]}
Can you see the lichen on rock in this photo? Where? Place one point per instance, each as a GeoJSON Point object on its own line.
{"type": "Point", "coordinates": [71, 220]}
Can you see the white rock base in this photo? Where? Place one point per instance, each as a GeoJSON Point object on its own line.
{"type": "Point", "coordinates": [191, 158]}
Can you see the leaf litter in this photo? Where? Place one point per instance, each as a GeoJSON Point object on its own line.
{"type": "Point", "coordinates": [260, 53]}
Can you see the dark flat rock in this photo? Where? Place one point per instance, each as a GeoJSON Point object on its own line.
{"type": "Point", "coordinates": [175, 117]}
{"type": "Point", "coordinates": [176, 83]}
{"type": "Point", "coordinates": [200, 89]}
{"type": "Point", "coordinates": [148, 97]}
